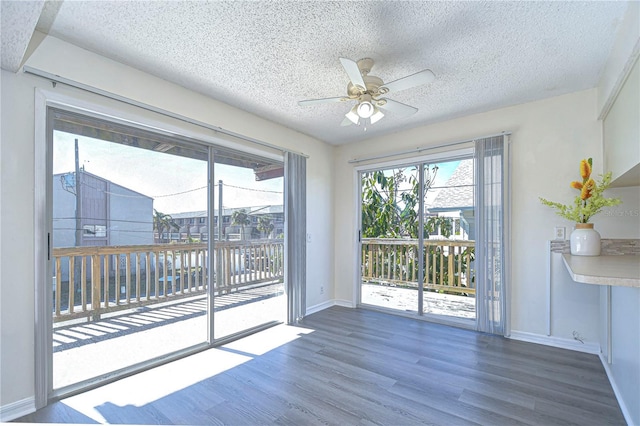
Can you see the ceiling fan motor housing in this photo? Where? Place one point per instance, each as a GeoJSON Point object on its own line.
{"type": "Point", "coordinates": [372, 83]}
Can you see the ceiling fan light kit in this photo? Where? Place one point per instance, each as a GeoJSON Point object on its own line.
{"type": "Point", "coordinates": [365, 109]}
{"type": "Point", "coordinates": [377, 116]}
{"type": "Point", "coordinates": [367, 90]}
{"type": "Point", "coordinates": [353, 116]}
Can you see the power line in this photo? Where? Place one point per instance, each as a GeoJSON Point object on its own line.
{"type": "Point", "coordinates": [180, 193]}
{"type": "Point", "coordinates": [253, 189]}
{"type": "Point", "coordinates": [176, 193]}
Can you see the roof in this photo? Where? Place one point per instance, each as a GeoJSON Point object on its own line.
{"type": "Point", "coordinates": [458, 191]}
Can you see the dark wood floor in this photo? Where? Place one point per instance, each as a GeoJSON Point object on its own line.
{"type": "Point", "coordinates": [365, 367]}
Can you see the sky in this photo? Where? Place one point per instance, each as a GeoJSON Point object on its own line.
{"type": "Point", "coordinates": [176, 184]}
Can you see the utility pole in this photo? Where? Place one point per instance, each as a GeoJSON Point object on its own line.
{"type": "Point", "coordinates": [219, 250]}
{"type": "Point", "coordinates": [220, 210]}
{"type": "Point", "coordinates": [77, 278]}
{"type": "Point", "coordinates": [78, 199]}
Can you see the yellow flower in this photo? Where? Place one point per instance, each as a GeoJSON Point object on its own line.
{"type": "Point", "coordinates": [587, 189]}
{"type": "Point", "coordinates": [585, 169]}
{"type": "Point", "coordinates": [590, 201]}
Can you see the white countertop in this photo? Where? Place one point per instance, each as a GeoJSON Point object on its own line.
{"type": "Point", "coordinates": [621, 270]}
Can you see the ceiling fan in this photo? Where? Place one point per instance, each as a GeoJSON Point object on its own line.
{"type": "Point", "coordinates": [369, 90]}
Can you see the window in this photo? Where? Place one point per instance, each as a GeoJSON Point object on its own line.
{"type": "Point", "coordinates": [97, 231]}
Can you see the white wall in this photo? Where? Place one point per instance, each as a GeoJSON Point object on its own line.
{"type": "Point", "coordinates": [17, 186]}
{"type": "Point", "coordinates": [16, 240]}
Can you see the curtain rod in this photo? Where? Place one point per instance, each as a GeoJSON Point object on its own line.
{"type": "Point", "coordinates": [91, 89]}
{"type": "Point", "coordinates": [419, 150]}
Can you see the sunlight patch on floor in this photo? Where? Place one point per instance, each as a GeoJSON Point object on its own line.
{"type": "Point", "coordinates": [267, 340]}
{"type": "Point", "coordinates": [149, 386]}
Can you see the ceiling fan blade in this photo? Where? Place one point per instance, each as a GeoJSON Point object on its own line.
{"type": "Point", "coordinates": [351, 67]}
{"type": "Point", "coordinates": [413, 80]}
{"type": "Point", "coordinates": [322, 101]}
{"type": "Point", "coordinates": [398, 108]}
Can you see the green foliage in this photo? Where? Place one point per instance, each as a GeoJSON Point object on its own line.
{"type": "Point", "coordinates": [240, 217]}
{"type": "Point", "coordinates": [162, 222]}
{"type": "Point", "coordinates": [582, 210]}
{"type": "Point", "coordinates": [265, 225]}
{"type": "Point", "coordinates": [433, 223]}
{"type": "Point", "coordinates": [389, 211]}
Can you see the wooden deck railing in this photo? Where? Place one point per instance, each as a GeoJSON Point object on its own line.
{"type": "Point", "coordinates": [91, 281]}
{"type": "Point", "coordinates": [448, 264]}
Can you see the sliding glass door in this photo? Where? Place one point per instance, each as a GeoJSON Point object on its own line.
{"type": "Point", "coordinates": [433, 236]}
{"type": "Point", "coordinates": [417, 238]}
{"type": "Point", "coordinates": [125, 290]}
{"type": "Point", "coordinates": [449, 239]}
{"type": "Point", "coordinates": [389, 237]}
{"type": "Point", "coordinates": [160, 245]}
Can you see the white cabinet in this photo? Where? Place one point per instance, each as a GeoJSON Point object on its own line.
{"type": "Point", "coordinates": [622, 133]}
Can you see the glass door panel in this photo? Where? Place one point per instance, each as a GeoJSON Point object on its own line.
{"type": "Point", "coordinates": [249, 285]}
{"type": "Point", "coordinates": [129, 258]}
{"type": "Point", "coordinates": [449, 239]}
{"type": "Point", "coordinates": [389, 244]}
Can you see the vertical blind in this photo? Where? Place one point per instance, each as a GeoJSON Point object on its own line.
{"type": "Point", "coordinates": [295, 200]}
{"type": "Point", "coordinates": [492, 223]}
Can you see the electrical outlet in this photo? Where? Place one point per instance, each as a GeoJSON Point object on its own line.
{"type": "Point", "coordinates": [559, 233]}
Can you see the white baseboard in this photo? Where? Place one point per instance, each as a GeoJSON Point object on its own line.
{"type": "Point", "coordinates": [17, 409]}
{"type": "Point", "coordinates": [344, 303]}
{"type": "Point", "coordinates": [319, 307]}
{"type": "Point", "coordinates": [616, 391]}
{"type": "Point", "coordinates": [557, 342]}
{"type": "Point", "coordinates": [329, 303]}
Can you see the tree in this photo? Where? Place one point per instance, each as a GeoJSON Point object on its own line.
{"type": "Point", "coordinates": [265, 225]}
{"type": "Point", "coordinates": [241, 217]}
{"type": "Point", "coordinates": [162, 222]}
{"type": "Point", "coordinates": [435, 223]}
{"type": "Point", "coordinates": [389, 211]}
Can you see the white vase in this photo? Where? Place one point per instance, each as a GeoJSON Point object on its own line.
{"type": "Point", "coordinates": [585, 241]}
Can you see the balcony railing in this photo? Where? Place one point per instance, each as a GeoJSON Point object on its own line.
{"type": "Point", "coordinates": [448, 265]}
{"type": "Point", "coordinates": [92, 281]}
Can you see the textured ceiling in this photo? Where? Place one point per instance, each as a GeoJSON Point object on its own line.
{"type": "Point", "coordinates": [264, 56]}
